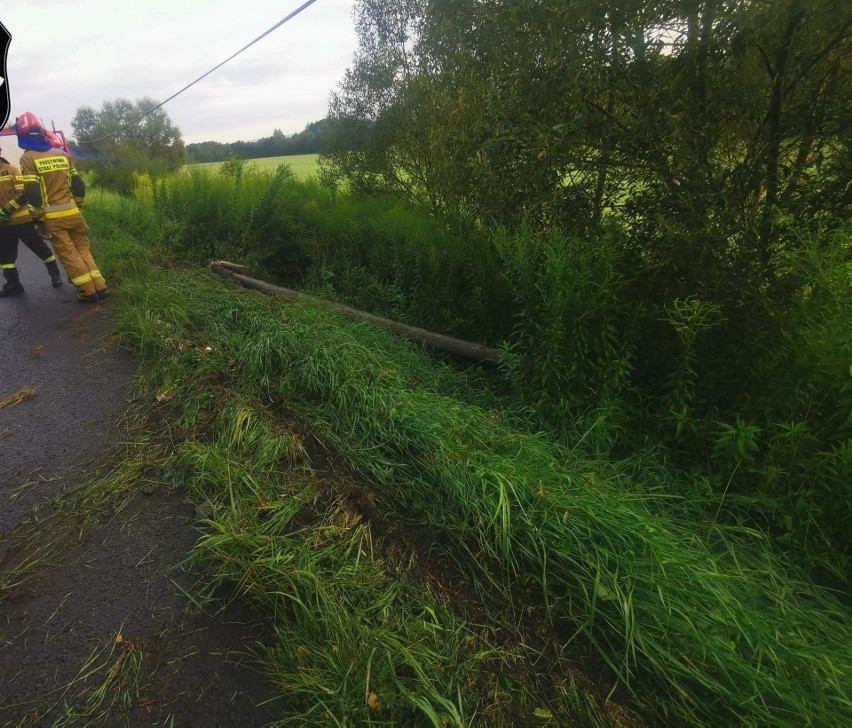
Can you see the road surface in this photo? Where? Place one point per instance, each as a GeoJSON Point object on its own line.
{"type": "Point", "coordinates": [115, 588]}
{"type": "Point", "coordinates": [61, 349]}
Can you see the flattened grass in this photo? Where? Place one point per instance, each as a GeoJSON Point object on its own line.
{"type": "Point", "coordinates": [358, 638]}
{"type": "Point", "coordinates": [706, 618]}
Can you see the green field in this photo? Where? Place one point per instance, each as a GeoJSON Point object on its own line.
{"type": "Point", "coordinates": [303, 165]}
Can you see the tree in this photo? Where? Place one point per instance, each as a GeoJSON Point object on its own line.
{"type": "Point", "coordinates": [705, 128]}
{"type": "Point", "coordinates": [123, 138]}
{"type": "Point", "coordinates": [378, 139]}
{"type": "Point", "coordinates": [556, 112]}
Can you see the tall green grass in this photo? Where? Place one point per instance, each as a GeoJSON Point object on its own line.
{"type": "Point", "coordinates": [704, 617]}
{"type": "Point", "coordinates": [378, 254]}
{"type": "Point", "coordinates": [754, 395]}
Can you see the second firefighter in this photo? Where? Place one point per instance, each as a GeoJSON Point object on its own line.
{"type": "Point", "coordinates": [55, 191]}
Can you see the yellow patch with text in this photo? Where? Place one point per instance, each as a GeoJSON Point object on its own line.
{"type": "Point", "coordinates": [52, 164]}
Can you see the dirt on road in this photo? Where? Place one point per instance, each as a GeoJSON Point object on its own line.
{"type": "Point", "coordinates": [102, 630]}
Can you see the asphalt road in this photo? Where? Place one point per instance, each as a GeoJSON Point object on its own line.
{"type": "Point", "coordinates": [123, 579]}
{"type": "Point", "coordinates": [58, 347]}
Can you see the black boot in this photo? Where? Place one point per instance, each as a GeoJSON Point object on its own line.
{"type": "Point", "coordinates": [53, 271]}
{"type": "Point", "coordinates": [12, 286]}
{"type": "Point", "coordinates": [87, 298]}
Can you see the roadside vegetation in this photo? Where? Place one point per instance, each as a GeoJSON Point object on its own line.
{"type": "Point", "coordinates": [642, 515]}
{"type": "Point", "coordinates": [457, 565]}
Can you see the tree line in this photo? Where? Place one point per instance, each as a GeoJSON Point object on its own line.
{"type": "Point", "coordinates": [307, 141]}
{"type": "Point", "coordinates": [125, 138]}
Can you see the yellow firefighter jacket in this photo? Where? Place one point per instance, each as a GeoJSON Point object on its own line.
{"type": "Point", "coordinates": [52, 184]}
{"type": "Point", "coordinates": [12, 197]}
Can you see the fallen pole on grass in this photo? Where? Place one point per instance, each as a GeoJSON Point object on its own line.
{"type": "Point", "coordinates": [439, 342]}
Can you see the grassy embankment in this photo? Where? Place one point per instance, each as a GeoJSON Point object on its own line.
{"type": "Point", "coordinates": [458, 567]}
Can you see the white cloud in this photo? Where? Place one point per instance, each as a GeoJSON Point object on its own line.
{"type": "Point", "coordinates": [64, 56]}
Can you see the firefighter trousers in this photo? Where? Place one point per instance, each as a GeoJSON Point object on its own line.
{"type": "Point", "coordinates": [70, 238]}
{"type": "Point", "coordinates": [26, 233]}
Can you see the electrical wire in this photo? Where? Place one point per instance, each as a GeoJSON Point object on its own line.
{"type": "Point", "coordinates": [204, 75]}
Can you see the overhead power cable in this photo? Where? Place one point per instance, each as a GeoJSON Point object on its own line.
{"type": "Point", "coordinates": [204, 75]}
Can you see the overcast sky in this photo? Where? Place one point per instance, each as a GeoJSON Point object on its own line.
{"type": "Point", "coordinates": [74, 53]}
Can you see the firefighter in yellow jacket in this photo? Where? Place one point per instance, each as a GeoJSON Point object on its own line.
{"type": "Point", "coordinates": [16, 224]}
{"type": "Point", "coordinates": [55, 192]}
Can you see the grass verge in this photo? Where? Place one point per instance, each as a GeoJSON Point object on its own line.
{"type": "Point", "coordinates": [706, 617]}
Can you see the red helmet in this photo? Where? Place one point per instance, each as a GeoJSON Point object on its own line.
{"type": "Point", "coordinates": [54, 140]}
{"type": "Point", "coordinates": [30, 126]}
